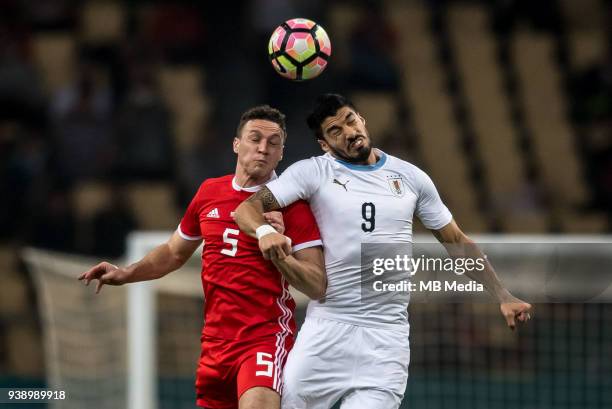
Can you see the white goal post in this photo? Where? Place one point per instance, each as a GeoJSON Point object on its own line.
{"type": "Point", "coordinates": [141, 313]}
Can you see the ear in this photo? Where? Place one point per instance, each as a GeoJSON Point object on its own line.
{"type": "Point", "coordinates": [323, 145]}
{"type": "Point", "coordinates": [236, 145]}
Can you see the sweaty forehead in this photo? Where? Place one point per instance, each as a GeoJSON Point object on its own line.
{"type": "Point", "coordinates": [336, 119]}
{"type": "Point", "coordinates": [264, 126]}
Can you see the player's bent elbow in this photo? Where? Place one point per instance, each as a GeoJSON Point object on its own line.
{"type": "Point", "coordinates": [175, 260]}
{"type": "Point", "coordinates": [320, 291]}
{"type": "Point", "coordinates": [317, 295]}
{"type": "Point", "coordinates": [180, 256]}
{"type": "Point", "coordinates": [240, 213]}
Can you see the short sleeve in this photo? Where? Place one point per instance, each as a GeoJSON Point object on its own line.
{"type": "Point", "coordinates": [301, 226]}
{"type": "Point", "coordinates": [430, 209]}
{"type": "Point", "coordinates": [189, 228]}
{"type": "Point", "coordinates": [299, 181]}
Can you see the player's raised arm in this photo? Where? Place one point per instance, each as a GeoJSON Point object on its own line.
{"type": "Point", "coordinates": [458, 243]}
{"type": "Point", "coordinates": [249, 216]}
{"type": "Point", "coordinates": [305, 270]}
{"type": "Point", "coordinates": [160, 261]}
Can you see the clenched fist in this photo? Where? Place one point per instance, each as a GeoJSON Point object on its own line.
{"type": "Point", "coordinates": [515, 309]}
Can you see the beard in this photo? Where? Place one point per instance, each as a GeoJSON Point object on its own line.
{"type": "Point", "coordinates": [363, 152]}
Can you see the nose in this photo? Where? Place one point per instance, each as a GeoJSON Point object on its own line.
{"type": "Point", "coordinates": [351, 132]}
{"type": "Point", "coordinates": [263, 145]}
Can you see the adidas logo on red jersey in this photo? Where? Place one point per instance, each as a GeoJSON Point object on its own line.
{"type": "Point", "coordinates": [214, 213]}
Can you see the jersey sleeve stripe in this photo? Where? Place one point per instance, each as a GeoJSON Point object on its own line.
{"type": "Point", "coordinates": [306, 245]}
{"type": "Point", "coordinates": [283, 322]}
{"type": "Point", "coordinates": [187, 237]}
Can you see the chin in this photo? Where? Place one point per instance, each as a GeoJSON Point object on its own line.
{"type": "Point", "coordinates": [260, 171]}
{"type": "Point", "coordinates": [363, 153]}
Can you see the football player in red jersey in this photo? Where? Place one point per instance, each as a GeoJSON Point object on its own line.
{"type": "Point", "coordinates": [248, 312]}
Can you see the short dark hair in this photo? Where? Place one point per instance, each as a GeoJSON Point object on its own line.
{"type": "Point", "coordinates": [326, 105]}
{"type": "Point", "coordinates": [265, 112]}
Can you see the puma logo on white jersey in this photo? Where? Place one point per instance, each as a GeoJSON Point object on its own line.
{"type": "Point", "coordinates": [336, 181]}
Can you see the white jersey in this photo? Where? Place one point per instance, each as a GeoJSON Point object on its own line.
{"type": "Point", "coordinates": [355, 204]}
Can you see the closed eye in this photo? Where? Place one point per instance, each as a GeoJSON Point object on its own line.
{"type": "Point", "coordinates": [334, 131]}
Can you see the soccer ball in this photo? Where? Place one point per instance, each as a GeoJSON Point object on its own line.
{"type": "Point", "coordinates": [299, 49]}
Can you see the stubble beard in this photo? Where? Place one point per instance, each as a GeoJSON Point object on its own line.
{"type": "Point", "coordinates": [363, 153]}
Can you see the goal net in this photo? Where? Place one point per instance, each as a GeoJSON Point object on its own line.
{"type": "Point", "coordinates": [134, 346]}
{"type": "Point", "coordinates": [137, 346]}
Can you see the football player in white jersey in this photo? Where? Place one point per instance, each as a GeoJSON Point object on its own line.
{"type": "Point", "coordinates": [350, 351]}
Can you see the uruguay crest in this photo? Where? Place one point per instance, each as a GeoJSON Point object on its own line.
{"type": "Point", "coordinates": [396, 184]}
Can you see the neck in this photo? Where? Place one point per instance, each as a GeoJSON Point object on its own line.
{"type": "Point", "coordinates": [243, 179]}
{"type": "Point", "coordinates": [372, 158]}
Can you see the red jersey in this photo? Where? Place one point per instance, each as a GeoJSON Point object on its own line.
{"type": "Point", "coordinates": [245, 295]}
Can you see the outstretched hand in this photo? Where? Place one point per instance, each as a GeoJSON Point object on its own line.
{"type": "Point", "coordinates": [105, 273]}
{"type": "Point", "coordinates": [515, 310]}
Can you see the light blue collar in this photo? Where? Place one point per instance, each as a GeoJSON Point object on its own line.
{"type": "Point", "coordinates": [366, 168]}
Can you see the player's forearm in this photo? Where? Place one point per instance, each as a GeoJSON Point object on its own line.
{"type": "Point", "coordinates": [249, 216]}
{"type": "Point", "coordinates": [458, 244]}
{"type": "Point", "coordinates": [491, 283]}
{"type": "Point", "coordinates": [305, 276]}
{"type": "Point", "coordinates": [156, 264]}
{"type": "Point", "coordinates": [485, 276]}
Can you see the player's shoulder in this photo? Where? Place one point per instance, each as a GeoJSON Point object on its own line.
{"type": "Point", "coordinates": [298, 217]}
{"type": "Point", "coordinates": [296, 208]}
{"type": "Point", "coordinates": [414, 175]}
{"type": "Point", "coordinates": [325, 163]}
{"type": "Point", "coordinates": [310, 168]}
{"type": "Point", "coordinates": [221, 180]}
{"type": "Point", "coordinates": [215, 184]}
{"type": "Point", "coordinates": [316, 161]}
{"type": "Point", "coordinates": [398, 164]}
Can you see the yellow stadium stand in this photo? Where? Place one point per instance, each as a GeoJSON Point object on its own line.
{"type": "Point", "coordinates": [102, 21]}
{"type": "Point", "coordinates": [475, 52]}
{"type": "Point", "coordinates": [439, 140]}
{"type": "Point", "coordinates": [545, 110]}
{"type": "Point", "coordinates": [54, 55]}
{"type": "Point", "coordinates": [182, 88]}
{"type": "Point", "coordinates": [153, 205]}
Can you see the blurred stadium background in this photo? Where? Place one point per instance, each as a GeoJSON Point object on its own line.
{"type": "Point", "coordinates": [112, 113]}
